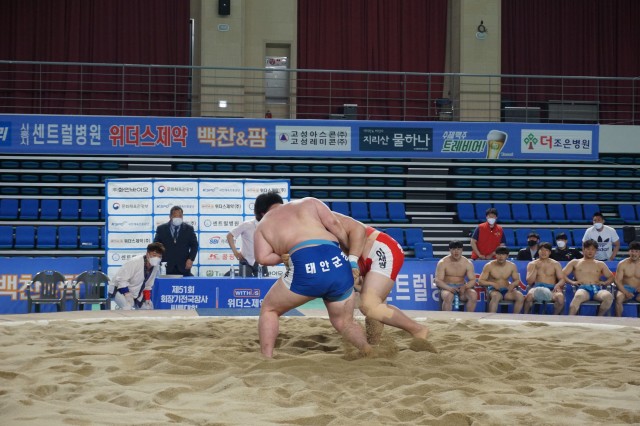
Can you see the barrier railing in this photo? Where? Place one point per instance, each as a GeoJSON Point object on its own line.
{"type": "Point", "coordinates": [156, 90]}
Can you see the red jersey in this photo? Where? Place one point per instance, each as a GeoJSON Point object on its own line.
{"type": "Point", "coordinates": [488, 239]}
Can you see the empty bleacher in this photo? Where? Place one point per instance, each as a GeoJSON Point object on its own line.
{"type": "Point", "coordinates": [443, 199]}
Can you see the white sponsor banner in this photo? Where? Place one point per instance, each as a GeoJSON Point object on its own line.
{"type": "Point", "coordinates": [175, 188]}
{"type": "Point", "coordinates": [189, 220]}
{"type": "Point", "coordinates": [119, 257]}
{"type": "Point", "coordinates": [221, 188]}
{"type": "Point", "coordinates": [215, 240]}
{"type": "Point", "coordinates": [219, 223]}
{"type": "Point", "coordinates": [129, 189]}
{"type": "Point", "coordinates": [217, 257]}
{"type": "Point", "coordinates": [163, 205]}
{"type": "Point", "coordinates": [313, 138]}
{"type": "Point", "coordinates": [214, 271]}
{"type": "Point", "coordinates": [129, 223]}
{"type": "Point", "coordinates": [254, 188]}
{"type": "Point", "coordinates": [554, 142]}
{"type": "Point", "coordinates": [129, 240]}
{"type": "Point", "coordinates": [139, 206]}
{"type": "Point", "coordinates": [220, 206]}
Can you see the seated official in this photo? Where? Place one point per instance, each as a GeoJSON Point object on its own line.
{"type": "Point", "coordinates": [131, 287]}
{"type": "Point", "coordinates": [545, 281]}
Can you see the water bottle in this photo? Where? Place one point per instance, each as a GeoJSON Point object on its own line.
{"type": "Point", "coordinates": [232, 273]}
{"type": "Point", "coordinates": [456, 302]}
{"type": "Point", "coordinates": [163, 268]}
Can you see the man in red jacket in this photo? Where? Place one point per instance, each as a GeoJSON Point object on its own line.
{"type": "Point", "coordinates": [487, 237]}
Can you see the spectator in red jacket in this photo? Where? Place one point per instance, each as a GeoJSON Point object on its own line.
{"type": "Point", "coordinates": [487, 237]}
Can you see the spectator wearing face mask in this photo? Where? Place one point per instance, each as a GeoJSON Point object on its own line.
{"type": "Point", "coordinates": [562, 252]}
{"type": "Point", "coordinates": [531, 251]}
{"type": "Point", "coordinates": [180, 242]}
{"type": "Point", "coordinates": [606, 237]}
{"type": "Point", "coordinates": [487, 237]}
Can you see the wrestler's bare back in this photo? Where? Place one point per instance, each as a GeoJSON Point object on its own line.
{"type": "Point", "coordinates": [286, 225]}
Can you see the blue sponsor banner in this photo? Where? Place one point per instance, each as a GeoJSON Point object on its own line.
{"type": "Point", "coordinates": [17, 272]}
{"type": "Point", "coordinates": [104, 135]}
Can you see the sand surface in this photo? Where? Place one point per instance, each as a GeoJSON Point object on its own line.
{"type": "Point", "coordinates": [207, 371]}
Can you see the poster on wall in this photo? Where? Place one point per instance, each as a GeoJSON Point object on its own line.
{"type": "Point", "coordinates": [136, 207]}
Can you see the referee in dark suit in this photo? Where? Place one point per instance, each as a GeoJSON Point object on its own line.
{"type": "Point", "coordinates": [180, 242]}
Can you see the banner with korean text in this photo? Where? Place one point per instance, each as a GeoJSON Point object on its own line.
{"type": "Point", "coordinates": [135, 208]}
{"type": "Point", "coordinates": [100, 135]}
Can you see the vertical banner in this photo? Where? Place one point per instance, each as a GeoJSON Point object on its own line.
{"type": "Point", "coordinates": [135, 208]}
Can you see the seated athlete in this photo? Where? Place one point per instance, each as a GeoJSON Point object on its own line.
{"type": "Point", "coordinates": [628, 278]}
{"type": "Point", "coordinates": [309, 233]}
{"type": "Point", "coordinates": [379, 264]}
{"type": "Point", "coordinates": [495, 276]}
{"type": "Point", "coordinates": [545, 281]}
{"type": "Point", "coordinates": [588, 273]}
{"type": "Point", "coordinates": [455, 276]}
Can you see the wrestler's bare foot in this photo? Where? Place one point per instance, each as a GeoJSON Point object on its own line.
{"type": "Point", "coordinates": [419, 343]}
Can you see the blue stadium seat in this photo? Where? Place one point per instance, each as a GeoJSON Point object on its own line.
{"type": "Point", "coordinates": [378, 211]}
{"type": "Point", "coordinates": [520, 212]}
{"type": "Point", "coordinates": [557, 213]}
{"type": "Point", "coordinates": [47, 237]}
{"type": "Point", "coordinates": [510, 237]}
{"type": "Point", "coordinates": [25, 237]}
{"type": "Point", "coordinates": [69, 209]}
{"type": "Point", "coordinates": [628, 213]}
{"type": "Point", "coordinates": [29, 209]}
{"type": "Point", "coordinates": [89, 237]}
{"type": "Point", "coordinates": [413, 236]}
{"type": "Point", "coordinates": [360, 211]}
{"type": "Point", "coordinates": [341, 207]}
{"type": "Point", "coordinates": [397, 234]}
{"type": "Point", "coordinates": [68, 237]}
{"type": "Point", "coordinates": [8, 208]}
{"type": "Point", "coordinates": [6, 237]}
{"type": "Point", "coordinates": [539, 213]}
{"type": "Point", "coordinates": [546, 236]}
{"type": "Point", "coordinates": [466, 212]}
{"type": "Point", "coordinates": [90, 209]}
{"type": "Point", "coordinates": [481, 209]}
{"type": "Point", "coordinates": [423, 250]}
{"type": "Point", "coordinates": [578, 233]}
{"type": "Point", "coordinates": [504, 212]}
{"type": "Point", "coordinates": [574, 213]}
{"type": "Point", "coordinates": [49, 209]}
{"type": "Point", "coordinates": [397, 213]}
{"type": "Point", "coordinates": [521, 237]}
{"type": "Point", "coordinates": [589, 210]}
{"type": "Point", "coordinates": [620, 233]}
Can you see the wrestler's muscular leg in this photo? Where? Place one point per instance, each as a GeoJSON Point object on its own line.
{"type": "Point", "coordinates": [341, 317]}
{"type": "Point", "coordinates": [278, 301]}
{"type": "Point", "coordinates": [373, 305]}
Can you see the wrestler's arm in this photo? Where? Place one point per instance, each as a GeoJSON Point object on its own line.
{"type": "Point", "coordinates": [606, 272]}
{"type": "Point", "coordinates": [263, 251]}
{"type": "Point", "coordinates": [471, 275]}
{"type": "Point", "coordinates": [568, 270]}
{"type": "Point", "coordinates": [515, 277]}
{"type": "Point", "coordinates": [356, 234]}
{"type": "Point", "coordinates": [331, 222]}
{"type": "Point", "coordinates": [483, 280]}
{"type": "Point", "coordinates": [619, 279]}
{"type": "Point", "coordinates": [559, 278]}
{"type": "Point", "coordinates": [439, 279]}
{"type": "Point", "coordinates": [532, 273]}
